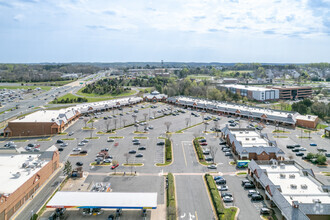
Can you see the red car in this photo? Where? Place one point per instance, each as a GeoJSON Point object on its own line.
{"type": "Point", "coordinates": [203, 143]}
{"type": "Point", "coordinates": [114, 166]}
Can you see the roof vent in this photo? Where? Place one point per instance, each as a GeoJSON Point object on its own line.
{"type": "Point", "coordinates": [316, 201]}
{"type": "Point", "coordinates": [303, 186]}
{"type": "Point", "coordinates": [292, 176]}
{"type": "Point", "coordinates": [282, 165]}
{"type": "Point", "coordinates": [293, 186]}
{"type": "Point", "coordinates": [282, 175]}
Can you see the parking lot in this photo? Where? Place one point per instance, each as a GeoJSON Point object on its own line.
{"type": "Point", "coordinates": [193, 201]}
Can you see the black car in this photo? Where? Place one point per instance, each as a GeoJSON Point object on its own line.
{"type": "Point", "coordinates": [249, 186]}
{"type": "Point", "coordinates": [136, 143]}
{"type": "Point", "coordinates": [289, 146]}
{"type": "Point", "coordinates": [160, 143]}
{"type": "Point", "coordinates": [222, 143]}
{"type": "Point", "coordinates": [257, 197]}
{"type": "Point", "coordinates": [59, 142]}
{"type": "Point", "coordinates": [31, 145]}
{"type": "Point", "coordinates": [142, 148]}
{"type": "Point", "coordinates": [60, 149]}
{"type": "Point", "coordinates": [295, 150]}
{"type": "Point", "coordinates": [265, 211]}
{"type": "Point", "coordinates": [111, 217]}
{"type": "Point", "coordinates": [132, 151]}
{"type": "Point", "coordinates": [245, 181]}
{"type": "Point", "coordinates": [79, 164]}
{"type": "Point", "coordinates": [300, 154]}
{"type": "Point", "coordinates": [226, 194]}
{"type": "Point", "coordinates": [296, 145]}
{"type": "Point", "coordinates": [83, 152]}
{"type": "Point", "coordinates": [208, 159]}
{"type": "Point", "coordinates": [202, 140]}
{"type": "Point", "coordinates": [221, 181]}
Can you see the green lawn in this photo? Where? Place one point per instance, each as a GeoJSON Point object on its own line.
{"type": "Point", "coordinates": [93, 95]}
{"type": "Point", "coordinates": [47, 88]}
{"type": "Point", "coordinates": [71, 96]}
{"type": "Point", "coordinates": [320, 126]}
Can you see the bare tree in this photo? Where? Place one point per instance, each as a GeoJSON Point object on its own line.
{"type": "Point", "coordinates": [91, 133]}
{"type": "Point", "coordinates": [107, 124]}
{"type": "Point", "coordinates": [85, 121]}
{"type": "Point", "coordinates": [115, 162]}
{"type": "Point", "coordinates": [154, 112]}
{"type": "Point", "coordinates": [203, 114]}
{"type": "Point", "coordinates": [145, 116]}
{"type": "Point", "coordinates": [127, 156]}
{"type": "Point", "coordinates": [216, 125]}
{"type": "Point", "coordinates": [134, 117]}
{"type": "Point", "coordinates": [206, 124]}
{"type": "Point", "coordinates": [187, 121]}
{"type": "Point", "coordinates": [136, 127]}
{"type": "Point", "coordinates": [115, 121]}
{"type": "Point", "coordinates": [168, 125]}
{"type": "Point", "coordinates": [213, 151]}
{"type": "Point", "coordinates": [124, 121]}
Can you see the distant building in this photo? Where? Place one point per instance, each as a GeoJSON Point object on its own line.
{"type": "Point", "coordinates": [229, 80]}
{"type": "Point", "coordinates": [21, 175]}
{"type": "Point", "coordinates": [154, 96]}
{"type": "Point", "coordinates": [295, 191]}
{"type": "Point", "coordinates": [307, 121]}
{"type": "Point", "coordinates": [253, 92]}
{"type": "Point", "coordinates": [71, 76]}
{"type": "Point", "coordinates": [249, 144]}
{"type": "Point", "coordinates": [293, 92]}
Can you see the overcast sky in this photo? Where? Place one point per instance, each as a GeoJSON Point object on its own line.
{"type": "Point", "coordinates": [276, 31]}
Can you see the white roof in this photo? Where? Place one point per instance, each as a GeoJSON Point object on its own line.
{"type": "Point", "coordinates": [250, 88]}
{"type": "Point", "coordinates": [306, 117]}
{"type": "Point", "coordinates": [300, 194]}
{"type": "Point", "coordinates": [250, 138]}
{"type": "Point", "coordinates": [103, 199]}
{"type": "Point", "coordinates": [11, 165]}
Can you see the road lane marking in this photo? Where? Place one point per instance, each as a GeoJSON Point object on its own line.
{"type": "Point", "coordinates": [184, 155]}
{"type": "Point", "coordinates": [196, 215]}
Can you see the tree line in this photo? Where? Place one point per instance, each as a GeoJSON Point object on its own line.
{"type": "Point", "coordinates": [70, 100]}
{"type": "Point", "coordinates": [113, 86]}
{"type": "Point", "coordinates": [308, 106]}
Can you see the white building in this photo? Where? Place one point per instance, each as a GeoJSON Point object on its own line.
{"type": "Point", "coordinates": [253, 92]}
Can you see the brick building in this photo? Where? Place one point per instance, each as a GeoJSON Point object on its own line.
{"type": "Point", "coordinates": [154, 96]}
{"type": "Point", "coordinates": [21, 175]}
{"type": "Point", "coordinates": [294, 92]}
{"type": "Point", "coordinates": [307, 121]}
{"type": "Point", "coordinates": [248, 144]}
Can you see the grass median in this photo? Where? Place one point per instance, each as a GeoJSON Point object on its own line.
{"type": "Point", "coordinates": [221, 211]}
{"type": "Point", "coordinates": [170, 198]}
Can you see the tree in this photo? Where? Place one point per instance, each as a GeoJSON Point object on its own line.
{"type": "Point", "coordinates": [127, 156]}
{"type": "Point", "coordinates": [206, 124]}
{"type": "Point", "coordinates": [216, 125]}
{"type": "Point", "coordinates": [107, 124]}
{"type": "Point", "coordinates": [67, 168]}
{"type": "Point", "coordinates": [168, 125]}
{"type": "Point", "coordinates": [134, 117]}
{"type": "Point", "coordinates": [187, 121]}
{"type": "Point", "coordinates": [85, 121]}
{"type": "Point", "coordinates": [154, 112]}
{"type": "Point", "coordinates": [321, 159]}
{"type": "Point", "coordinates": [124, 121]}
{"type": "Point", "coordinates": [115, 162]}
{"type": "Point", "coordinates": [213, 152]}
{"type": "Point", "coordinates": [115, 121]}
{"type": "Point", "coordinates": [145, 116]}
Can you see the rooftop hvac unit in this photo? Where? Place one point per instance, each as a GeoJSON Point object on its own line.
{"type": "Point", "coordinates": [293, 186]}
{"type": "Point", "coordinates": [17, 174]}
{"type": "Point", "coordinates": [282, 175]}
{"type": "Point", "coordinates": [247, 139]}
{"type": "Point", "coordinates": [253, 139]}
{"type": "Point", "coordinates": [292, 176]}
{"type": "Point", "coordinates": [316, 201]}
{"type": "Point", "coordinates": [303, 186]}
{"type": "Point", "coordinates": [282, 165]}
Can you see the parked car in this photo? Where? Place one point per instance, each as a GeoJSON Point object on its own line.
{"type": "Point", "coordinates": [111, 140]}
{"type": "Point", "coordinates": [135, 140]}
{"type": "Point", "coordinates": [265, 211]}
{"type": "Point", "coordinates": [313, 144]}
{"type": "Point", "coordinates": [302, 149]}
{"type": "Point", "coordinates": [79, 164]}
{"type": "Point", "coordinates": [249, 186]}
{"type": "Point", "coordinates": [76, 149]}
{"type": "Point", "coordinates": [225, 149]}
{"type": "Point", "coordinates": [227, 199]}
{"type": "Point", "coordinates": [142, 148]}
{"type": "Point", "coordinates": [63, 144]}
{"type": "Point", "coordinates": [203, 143]}
{"type": "Point", "coordinates": [136, 143]}
{"type": "Point", "coordinates": [252, 192]}
{"type": "Point", "coordinates": [83, 152]}
{"type": "Point", "coordinates": [228, 154]}
{"type": "Point", "coordinates": [295, 150]}
{"type": "Point", "coordinates": [202, 140]}
{"type": "Point", "coordinates": [132, 151]}
{"type": "Point", "coordinates": [160, 143]}
{"type": "Point", "coordinates": [223, 194]}
{"type": "Point", "coordinates": [208, 159]}
{"type": "Point", "coordinates": [222, 188]}
{"type": "Point", "coordinates": [206, 152]}
{"type": "Point", "coordinates": [107, 161]}
{"type": "Point", "coordinates": [85, 141]}
{"type": "Point", "coordinates": [212, 166]}
{"type": "Point", "coordinates": [114, 166]}
{"type": "Point", "coordinates": [300, 154]}
{"type": "Point", "coordinates": [111, 217]}
{"type": "Point", "coordinates": [221, 181]}
{"type": "Point", "coordinates": [59, 141]}
{"type": "Point", "coordinates": [105, 149]}
{"type": "Point", "coordinates": [60, 149]}
{"type": "Point", "coordinates": [257, 197]}
{"type": "Point", "coordinates": [139, 155]}
{"type": "Point", "coordinates": [71, 133]}
{"type": "Point", "coordinates": [81, 144]}
{"type": "Point", "coordinates": [218, 177]}
{"type": "Point", "coordinates": [289, 146]}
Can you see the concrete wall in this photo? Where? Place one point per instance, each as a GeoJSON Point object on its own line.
{"type": "Point", "coordinates": [15, 200]}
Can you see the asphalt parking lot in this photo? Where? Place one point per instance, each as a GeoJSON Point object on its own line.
{"type": "Point", "coordinates": [192, 198]}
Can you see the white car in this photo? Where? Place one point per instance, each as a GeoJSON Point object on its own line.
{"type": "Point", "coordinates": [301, 149]}
{"type": "Point", "coordinates": [81, 144]}
{"type": "Point", "coordinates": [76, 149]}
{"type": "Point", "coordinates": [228, 199]}
{"type": "Point", "coordinates": [222, 188]}
{"type": "Point", "coordinates": [212, 166]}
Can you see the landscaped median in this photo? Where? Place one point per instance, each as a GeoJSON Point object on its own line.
{"type": "Point", "coordinates": [133, 164]}
{"type": "Point", "coordinates": [199, 151]}
{"type": "Point", "coordinates": [221, 211]}
{"type": "Point", "coordinates": [168, 153]}
{"type": "Point", "coordinates": [170, 198]}
{"type": "Point", "coordinates": [140, 137]}
{"type": "Point", "coordinates": [45, 139]}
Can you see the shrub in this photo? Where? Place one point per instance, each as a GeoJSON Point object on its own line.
{"type": "Point", "coordinates": [216, 199]}
{"type": "Point", "coordinates": [171, 206]}
{"type": "Point", "coordinates": [168, 150]}
{"type": "Point", "coordinates": [199, 151]}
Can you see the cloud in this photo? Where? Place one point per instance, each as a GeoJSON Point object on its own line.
{"type": "Point", "coordinates": [101, 27]}
{"type": "Point", "coordinates": [269, 32]}
{"type": "Point", "coordinates": [5, 4]}
{"type": "Point", "coordinates": [18, 17]}
{"type": "Point", "coordinates": [109, 12]}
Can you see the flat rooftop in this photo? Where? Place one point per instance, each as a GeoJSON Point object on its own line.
{"type": "Point", "coordinates": [40, 116]}
{"type": "Point", "coordinates": [251, 88]}
{"type": "Point", "coordinates": [12, 175]}
{"type": "Point", "coordinates": [250, 139]}
{"type": "Point", "coordinates": [306, 117]}
{"type": "Point", "coordinates": [294, 185]}
{"type": "Point", "coordinates": [109, 200]}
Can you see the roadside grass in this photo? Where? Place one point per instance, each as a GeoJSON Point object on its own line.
{"type": "Point", "coordinates": [326, 173]}
{"type": "Point", "coordinates": [199, 151]}
{"type": "Point", "coordinates": [170, 198]}
{"type": "Point", "coordinates": [64, 133]}
{"type": "Point", "coordinates": [280, 131]}
{"type": "Point", "coordinates": [101, 164]}
{"type": "Point", "coordinates": [323, 136]}
{"type": "Point", "coordinates": [60, 107]}
{"type": "Point", "coordinates": [221, 211]}
{"type": "Point", "coordinates": [280, 136]}
{"type": "Point", "coordinates": [94, 95]}
{"type": "Point", "coordinates": [116, 137]}
{"type": "Point", "coordinates": [92, 138]}
{"type": "Point", "coordinates": [140, 132]}
{"type": "Point", "coordinates": [22, 115]}
{"type": "Point", "coordinates": [45, 139]}
{"type": "Point", "coordinates": [100, 132]}
{"type": "Point", "coordinates": [140, 137]}
{"type": "Point", "coordinates": [91, 121]}
{"type": "Point", "coordinates": [71, 96]}
{"type": "Point", "coordinates": [304, 137]}
{"type": "Point", "coordinates": [133, 164]}
{"type": "Point", "coordinates": [320, 126]}
{"type": "Point", "coordinates": [46, 88]}
{"type": "Point", "coordinates": [68, 139]}
{"type": "Point", "coordinates": [16, 141]}
{"type": "Point", "coordinates": [181, 131]}
{"type": "Point", "coordinates": [241, 173]}
{"type": "Point", "coordinates": [88, 128]}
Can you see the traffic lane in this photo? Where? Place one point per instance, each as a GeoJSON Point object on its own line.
{"type": "Point", "coordinates": [192, 198]}
{"type": "Point", "coordinates": [133, 184]}
{"type": "Point", "coordinates": [241, 200]}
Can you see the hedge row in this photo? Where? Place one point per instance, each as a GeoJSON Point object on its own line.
{"type": "Point", "coordinates": [215, 196]}
{"type": "Point", "coordinates": [199, 150]}
{"type": "Point", "coordinates": [168, 150]}
{"type": "Point", "coordinates": [171, 206]}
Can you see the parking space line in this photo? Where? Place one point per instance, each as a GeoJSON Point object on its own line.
{"type": "Point", "coordinates": [196, 215]}
{"type": "Point", "coordinates": [184, 155]}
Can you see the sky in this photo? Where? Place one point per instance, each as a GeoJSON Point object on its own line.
{"type": "Point", "coordinates": [226, 31]}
